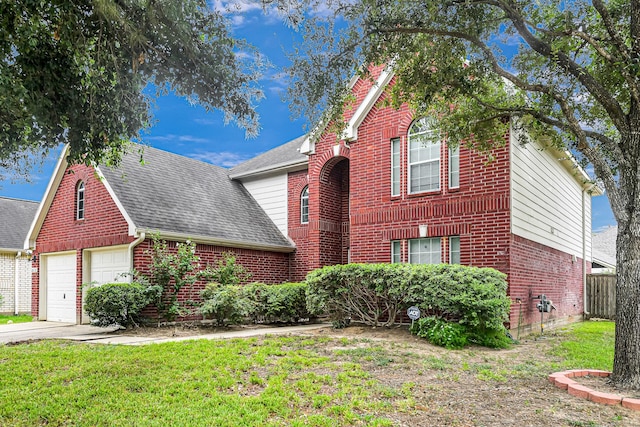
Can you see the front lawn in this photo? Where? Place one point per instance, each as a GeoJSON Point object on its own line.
{"type": "Point", "coordinates": [10, 318]}
{"type": "Point", "coordinates": [373, 377]}
{"type": "Point", "coordinates": [588, 345]}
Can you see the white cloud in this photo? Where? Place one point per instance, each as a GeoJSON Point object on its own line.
{"type": "Point", "coordinates": [277, 82]}
{"type": "Point", "coordinates": [205, 121]}
{"type": "Point", "coordinates": [177, 138]}
{"type": "Point", "coordinates": [225, 159]}
{"type": "Point", "coordinates": [246, 12]}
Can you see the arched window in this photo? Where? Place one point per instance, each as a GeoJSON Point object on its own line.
{"type": "Point", "coordinates": [304, 205]}
{"type": "Point", "coordinates": [80, 201]}
{"type": "Point", "coordinates": [424, 156]}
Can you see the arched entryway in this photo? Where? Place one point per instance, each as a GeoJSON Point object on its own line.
{"type": "Point", "coordinates": [334, 212]}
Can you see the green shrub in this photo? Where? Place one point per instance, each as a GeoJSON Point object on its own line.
{"type": "Point", "coordinates": [377, 294]}
{"type": "Point", "coordinates": [372, 293]}
{"type": "Point", "coordinates": [223, 303]}
{"type": "Point", "coordinates": [257, 301]}
{"type": "Point", "coordinates": [285, 302]}
{"type": "Point", "coordinates": [255, 295]}
{"type": "Point", "coordinates": [440, 332]}
{"type": "Point", "coordinates": [116, 303]}
{"type": "Point", "coordinates": [474, 297]}
{"type": "Point", "coordinates": [494, 338]}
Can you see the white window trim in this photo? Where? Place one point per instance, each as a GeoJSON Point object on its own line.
{"type": "Point", "coordinates": [80, 198]}
{"type": "Point", "coordinates": [451, 238]}
{"type": "Point", "coordinates": [395, 254]}
{"type": "Point", "coordinates": [396, 149]}
{"type": "Point", "coordinates": [454, 153]}
{"type": "Point", "coordinates": [409, 163]}
{"type": "Point", "coordinates": [431, 239]}
{"type": "Point", "coordinates": [304, 196]}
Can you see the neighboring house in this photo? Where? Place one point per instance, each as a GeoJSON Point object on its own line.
{"type": "Point", "coordinates": [389, 190]}
{"type": "Point", "coordinates": [15, 262]}
{"type": "Point", "coordinates": [604, 251]}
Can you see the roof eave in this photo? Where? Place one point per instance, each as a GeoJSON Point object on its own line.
{"type": "Point", "coordinates": [208, 240]}
{"type": "Point", "coordinates": [47, 199]}
{"type": "Point", "coordinates": [12, 250]}
{"type": "Point", "coordinates": [281, 167]}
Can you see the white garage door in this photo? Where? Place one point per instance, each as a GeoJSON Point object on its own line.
{"type": "Point", "coordinates": [61, 287]}
{"type": "Point", "coordinates": [108, 265]}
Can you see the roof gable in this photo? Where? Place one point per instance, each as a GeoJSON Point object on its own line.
{"type": "Point", "coordinates": [286, 156]}
{"type": "Point", "coordinates": [17, 216]}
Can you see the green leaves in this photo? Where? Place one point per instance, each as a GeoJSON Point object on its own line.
{"type": "Point", "coordinates": [74, 73]}
{"type": "Point", "coordinates": [378, 294]}
{"type": "Point", "coordinates": [256, 301]}
{"type": "Point", "coordinates": [116, 304]}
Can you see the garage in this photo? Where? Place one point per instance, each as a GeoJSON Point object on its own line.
{"type": "Point", "coordinates": [107, 265]}
{"type": "Point", "coordinates": [60, 282]}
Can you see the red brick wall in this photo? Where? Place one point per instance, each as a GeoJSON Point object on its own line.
{"type": "Point", "coordinates": [334, 212]}
{"type": "Point", "coordinates": [538, 269]}
{"type": "Point", "coordinates": [298, 232]}
{"type": "Point", "coordinates": [103, 225]}
{"type": "Point", "coordinates": [265, 267]}
{"type": "Point", "coordinates": [477, 211]}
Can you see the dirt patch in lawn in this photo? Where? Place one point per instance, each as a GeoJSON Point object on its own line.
{"type": "Point", "coordinates": [471, 387]}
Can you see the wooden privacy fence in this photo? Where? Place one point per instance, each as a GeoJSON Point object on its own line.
{"type": "Point", "coordinates": [601, 296]}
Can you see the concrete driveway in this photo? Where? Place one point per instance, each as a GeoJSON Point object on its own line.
{"type": "Point", "coordinates": [17, 332]}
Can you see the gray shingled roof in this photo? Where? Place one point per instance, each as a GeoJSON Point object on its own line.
{"type": "Point", "coordinates": [603, 246]}
{"type": "Point", "coordinates": [177, 194]}
{"type": "Point", "coordinates": [16, 217]}
{"type": "Point", "coordinates": [284, 155]}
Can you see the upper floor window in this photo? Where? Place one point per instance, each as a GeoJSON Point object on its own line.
{"type": "Point", "coordinates": [424, 156]}
{"type": "Point", "coordinates": [80, 200]}
{"type": "Point", "coordinates": [304, 205]}
{"type": "Point", "coordinates": [454, 167]}
{"type": "Point", "coordinates": [395, 167]}
{"type": "Point", "coordinates": [424, 251]}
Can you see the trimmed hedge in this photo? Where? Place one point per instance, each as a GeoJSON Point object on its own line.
{"type": "Point", "coordinates": [117, 303]}
{"type": "Point", "coordinates": [377, 294]}
{"type": "Point", "coordinates": [257, 301]}
{"type": "Point", "coordinates": [224, 303]}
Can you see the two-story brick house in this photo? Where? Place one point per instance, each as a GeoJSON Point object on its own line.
{"type": "Point", "coordinates": [389, 190]}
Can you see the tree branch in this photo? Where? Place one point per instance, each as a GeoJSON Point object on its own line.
{"type": "Point", "coordinates": [608, 102]}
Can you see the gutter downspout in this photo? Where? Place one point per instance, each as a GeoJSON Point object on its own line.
{"type": "Point", "coordinates": [585, 302]}
{"type": "Point", "coordinates": [16, 285]}
{"type": "Point", "coordinates": [132, 245]}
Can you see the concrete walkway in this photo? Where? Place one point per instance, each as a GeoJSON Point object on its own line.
{"type": "Point", "coordinates": [19, 332]}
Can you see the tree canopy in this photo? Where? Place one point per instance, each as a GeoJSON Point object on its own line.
{"type": "Point", "coordinates": [74, 72]}
{"type": "Point", "coordinates": [566, 72]}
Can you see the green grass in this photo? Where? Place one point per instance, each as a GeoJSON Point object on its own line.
{"type": "Point", "coordinates": [269, 381]}
{"type": "Point", "coordinates": [276, 381]}
{"type": "Point", "coordinates": [587, 345]}
{"type": "Point", "coordinates": [23, 318]}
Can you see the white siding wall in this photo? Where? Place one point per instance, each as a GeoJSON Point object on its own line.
{"type": "Point", "coordinates": [8, 265]}
{"type": "Point", "coordinates": [271, 194]}
{"type": "Point", "coordinates": [546, 200]}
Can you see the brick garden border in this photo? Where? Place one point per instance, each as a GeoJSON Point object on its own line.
{"type": "Point", "coordinates": [563, 381]}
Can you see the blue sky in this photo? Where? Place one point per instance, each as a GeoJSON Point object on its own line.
{"type": "Point", "coordinates": [189, 130]}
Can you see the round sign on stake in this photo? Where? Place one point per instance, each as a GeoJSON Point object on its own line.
{"type": "Point", "coordinates": [413, 312]}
